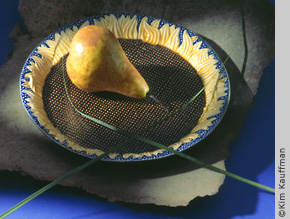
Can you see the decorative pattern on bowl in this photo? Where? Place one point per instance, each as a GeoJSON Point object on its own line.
{"type": "Point", "coordinates": [129, 26]}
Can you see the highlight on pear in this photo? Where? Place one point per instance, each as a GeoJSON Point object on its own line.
{"type": "Point", "coordinates": [97, 62]}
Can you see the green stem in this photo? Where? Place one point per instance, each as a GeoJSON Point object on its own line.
{"type": "Point", "coordinates": [62, 178]}
{"type": "Point", "coordinates": [208, 166]}
{"type": "Point", "coordinates": [132, 136]}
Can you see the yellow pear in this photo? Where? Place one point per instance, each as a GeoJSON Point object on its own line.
{"type": "Point", "coordinates": [97, 62]}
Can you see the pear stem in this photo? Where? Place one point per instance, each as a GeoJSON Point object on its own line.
{"type": "Point", "coordinates": [158, 101]}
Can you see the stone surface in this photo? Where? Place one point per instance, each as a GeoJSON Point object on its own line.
{"type": "Point", "coordinates": [24, 148]}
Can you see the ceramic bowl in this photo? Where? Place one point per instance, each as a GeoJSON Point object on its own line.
{"type": "Point", "coordinates": [153, 31]}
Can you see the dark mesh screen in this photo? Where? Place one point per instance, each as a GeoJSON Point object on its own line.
{"type": "Point", "coordinates": [171, 79]}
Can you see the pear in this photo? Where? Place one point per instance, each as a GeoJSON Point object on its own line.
{"type": "Point", "coordinates": [97, 62]}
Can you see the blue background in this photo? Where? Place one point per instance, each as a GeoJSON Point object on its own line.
{"type": "Point", "coordinates": [252, 156]}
